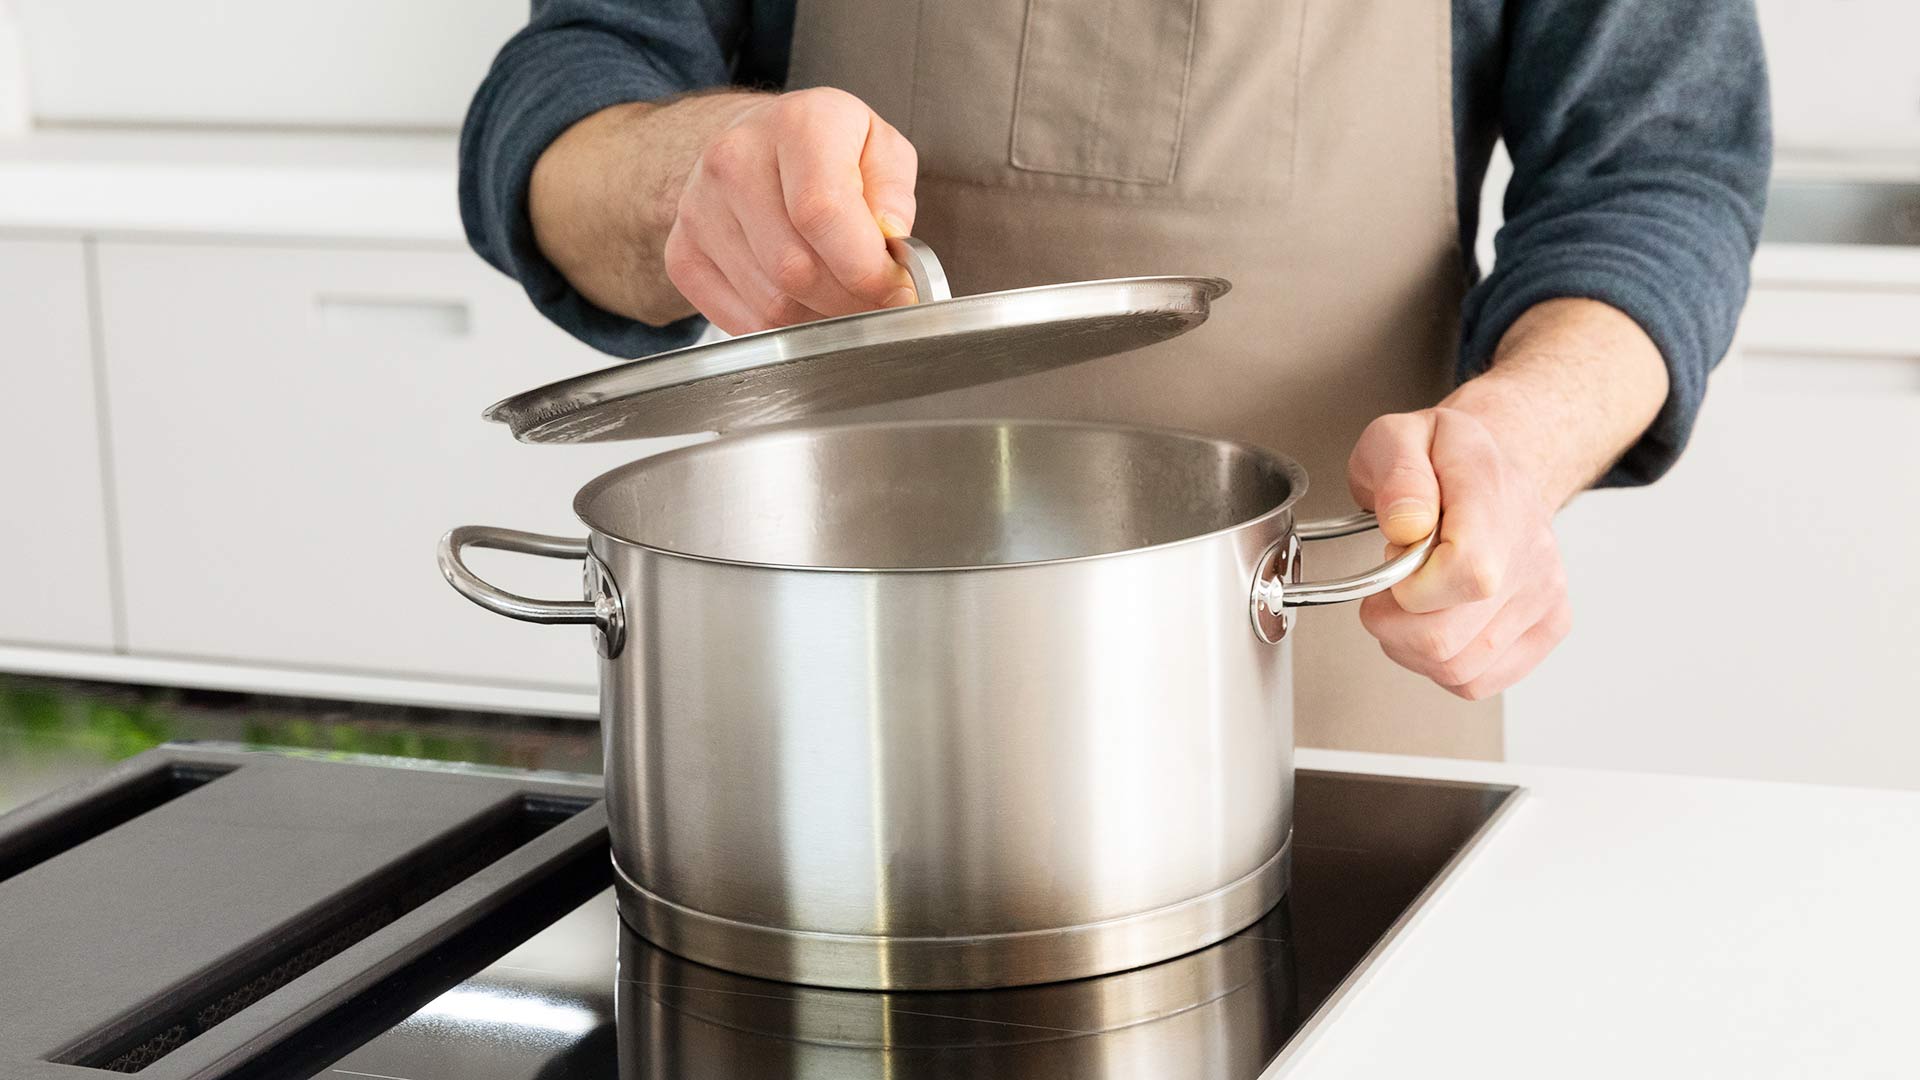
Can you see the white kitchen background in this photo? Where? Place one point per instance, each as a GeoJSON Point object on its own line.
{"type": "Point", "coordinates": [244, 350]}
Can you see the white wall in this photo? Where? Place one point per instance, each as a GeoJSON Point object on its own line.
{"type": "Point", "coordinates": [332, 63]}
{"type": "Point", "coordinates": [1755, 613]}
{"type": "Point", "coordinates": [1846, 74]}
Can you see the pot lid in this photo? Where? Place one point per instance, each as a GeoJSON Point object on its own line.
{"type": "Point", "coordinates": [942, 343]}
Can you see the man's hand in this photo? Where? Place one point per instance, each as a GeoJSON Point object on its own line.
{"type": "Point", "coordinates": [756, 210]}
{"type": "Point", "coordinates": [1491, 601]}
{"type": "Point", "coordinates": [1573, 385]}
{"type": "Point", "coordinates": [786, 215]}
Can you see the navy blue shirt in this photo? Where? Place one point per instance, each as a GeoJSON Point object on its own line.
{"type": "Point", "coordinates": [1638, 129]}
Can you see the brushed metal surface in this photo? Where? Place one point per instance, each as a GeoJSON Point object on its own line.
{"type": "Point", "coordinates": [865, 359]}
{"type": "Point", "coordinates": [943, 961]}
{"type": "Point", "coordinates": [925, 495]}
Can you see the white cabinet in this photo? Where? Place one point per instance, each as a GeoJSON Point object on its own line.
{"type": "Point", "coordinates": [55, 585]}
{"type": "Point", "coordinates": [1757, 612]}
{"type": "Point", "coordinates": [292, 430]}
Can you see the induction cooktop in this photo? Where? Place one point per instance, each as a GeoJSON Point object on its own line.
{"type": "Point", "coordinates": [216, 912]}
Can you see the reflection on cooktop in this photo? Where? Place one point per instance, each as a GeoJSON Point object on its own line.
{"type": "Point", "coordinates": [1220, 1012]}
{"type": "Point", "coordinates": [587, 1000]}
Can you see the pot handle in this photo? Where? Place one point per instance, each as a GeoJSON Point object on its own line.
{"type": "Point", "coordinates": [1274, 598]}
{"type": "Point", "coordinates": [602, 609]}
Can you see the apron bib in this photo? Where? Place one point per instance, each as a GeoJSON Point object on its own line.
{"type": "Point", "coordinates": [1303, 149]}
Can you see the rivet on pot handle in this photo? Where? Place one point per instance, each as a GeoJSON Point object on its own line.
{"type": "Point", "coordinates": [1274, 597]}
{"type": "Point", "coordinates": [601, 610]}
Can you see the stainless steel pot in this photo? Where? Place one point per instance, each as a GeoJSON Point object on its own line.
{"type": "Point", "coordinates": [943, 704]}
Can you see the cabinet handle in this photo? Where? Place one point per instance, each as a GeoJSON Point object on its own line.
{"type": "Point", "coordinates": [387, 316]}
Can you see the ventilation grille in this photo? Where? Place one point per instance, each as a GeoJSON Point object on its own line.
{"type": "Point", "coordinates": [401, 889]}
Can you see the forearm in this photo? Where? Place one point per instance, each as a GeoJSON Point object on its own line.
{"type": "Point", "coordinates": [603, 196]}
{"type": "Point", "coordinates": [1639, 139]}
{"type": "Point", "coordinates": [1573, 385]}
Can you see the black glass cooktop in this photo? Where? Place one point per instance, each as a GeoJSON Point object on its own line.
{"type": "Point", "coordinates": [489, 949]}
{"type": "Point", "coordinates": [585, 999]}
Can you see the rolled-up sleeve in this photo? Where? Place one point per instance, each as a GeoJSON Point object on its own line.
{"type": "Point", "coordinates": [1641, 146]}
{"type": "Point", "coordinates": [574, 58]}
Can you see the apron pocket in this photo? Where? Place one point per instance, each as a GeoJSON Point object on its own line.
{"type": "Point", "coordinates": [1103, 88]}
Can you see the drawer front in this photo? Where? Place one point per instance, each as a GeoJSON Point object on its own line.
{"type": "Point", "coordinates": [293, 429]}
{"type": "Point", "coordinates": [55, 586]}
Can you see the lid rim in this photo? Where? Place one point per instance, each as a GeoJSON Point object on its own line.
{"type": "Point", "coordinates": [610, 404]}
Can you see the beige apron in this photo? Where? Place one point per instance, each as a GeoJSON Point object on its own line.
{"type": "Point", "coordinates": [1302, 149]}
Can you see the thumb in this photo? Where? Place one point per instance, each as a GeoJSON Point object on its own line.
{"type": "Point", "coordinates": [1391, 473]}
{"type": "Point", "coordinates": [888, 166]}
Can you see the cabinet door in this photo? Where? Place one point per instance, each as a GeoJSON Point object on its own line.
{"type": "Point", "coordinates": [1757, 612]}
{"type": "Point", "coordinates": [294, 428]}
{"type": "Point", "coordinates": [54, 573]}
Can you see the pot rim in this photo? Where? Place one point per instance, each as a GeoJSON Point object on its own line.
{"type": "Point", "coordinates": [1296, 476]}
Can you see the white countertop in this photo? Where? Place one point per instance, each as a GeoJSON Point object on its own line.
{"type": "Point", "coordinates": [1629, 925]}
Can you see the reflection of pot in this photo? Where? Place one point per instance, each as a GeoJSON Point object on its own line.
{"type": "Point", "coordinates": [1222, 1012]}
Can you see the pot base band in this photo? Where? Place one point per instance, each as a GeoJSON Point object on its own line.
{"type": "Point", "coordinates": [872, 962]}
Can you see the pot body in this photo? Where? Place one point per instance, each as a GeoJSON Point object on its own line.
{"type": "Point", "coordinates": [988, 776]}
{"type": "Point", "coordinates": [943, 704]}
{"type": "Point", "coordinates": [946, 779]}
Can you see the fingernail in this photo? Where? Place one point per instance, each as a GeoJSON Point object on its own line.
{"type": "Point", "coordinates": [891, 225]}
{"type": "Point", "coordinates": [898, 298]}
{"type": "Point", "coordinates": [1407, 508]}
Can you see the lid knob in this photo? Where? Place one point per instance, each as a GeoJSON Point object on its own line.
{"type": "Point", "coordinates": [929, 277]}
